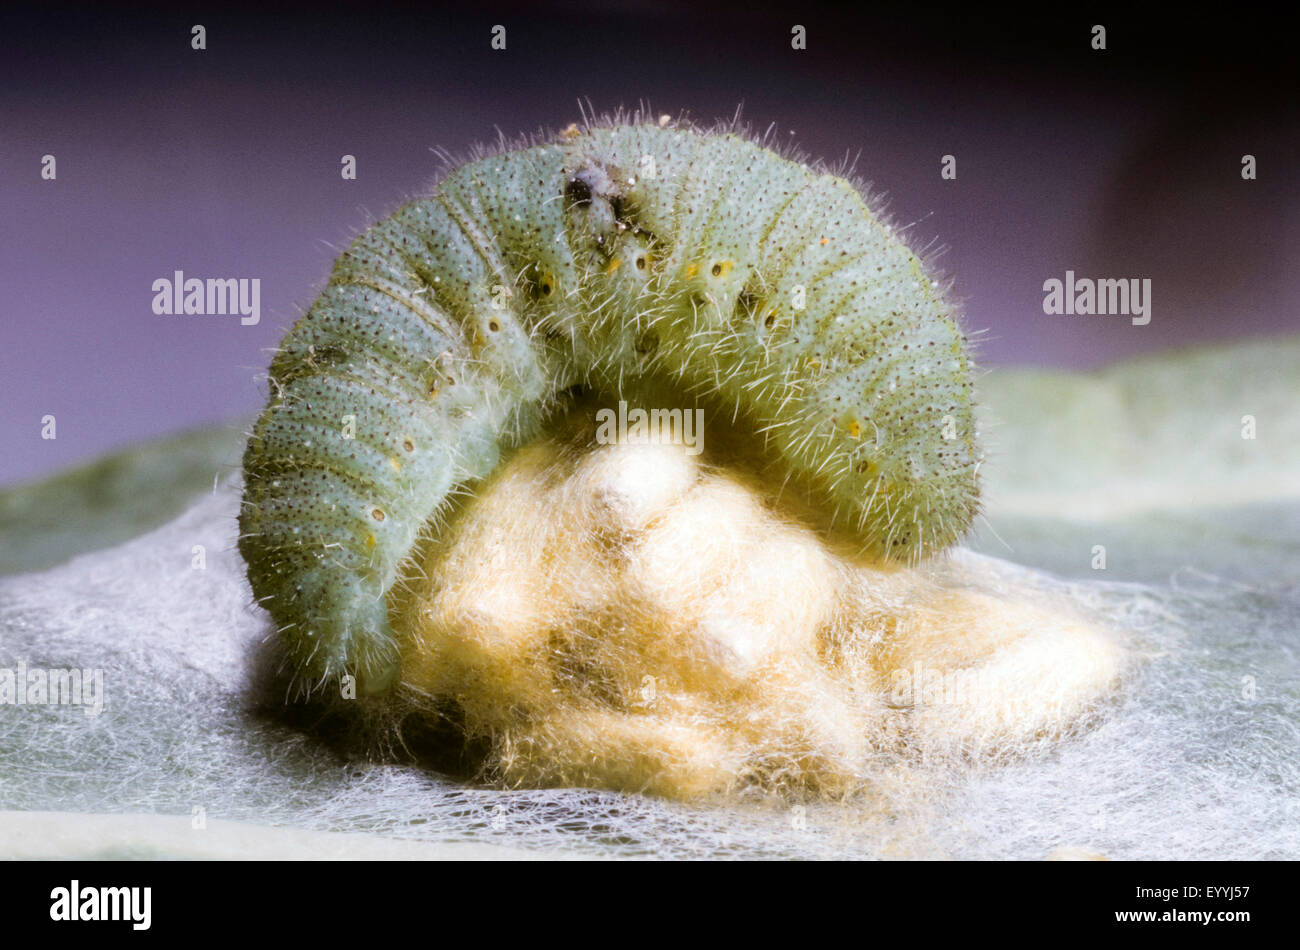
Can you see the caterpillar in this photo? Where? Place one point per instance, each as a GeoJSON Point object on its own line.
{"type": "Point", "coordinates": [623, 251]}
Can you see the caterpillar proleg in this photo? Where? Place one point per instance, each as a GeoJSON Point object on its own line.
{"type": "Point", "coordinates": [619, 252]}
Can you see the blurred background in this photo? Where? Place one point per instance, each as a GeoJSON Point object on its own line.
{"type": "Point", "coordinates": [225, 163]}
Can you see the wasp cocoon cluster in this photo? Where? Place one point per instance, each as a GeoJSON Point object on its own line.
{"type": "Point", "coordinates": [633, 618]}
{"type": "Point", "coordinates": [618, 256]}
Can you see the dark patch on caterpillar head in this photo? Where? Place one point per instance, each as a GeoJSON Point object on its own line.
{"type": "Point", "coordinates": [598, 204]}
{"type": "Point", "coordinates": [590, 184]}
{"type": "Point", "coordinates": [577, 192]}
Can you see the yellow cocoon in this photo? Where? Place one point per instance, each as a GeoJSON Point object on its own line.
{"type": "Point", "coordinates": [631, 617]}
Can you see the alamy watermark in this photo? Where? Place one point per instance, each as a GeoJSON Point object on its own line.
{"type": "Point", "coordinates": [76, 902]}
{"type": "Point", "coordinates": [53, 687]}
{"type": "Point", "coordinates": [638, 426]}
{"type": "Point", "coordinates": [926, 686]}
{"type": "Point", "coordinates": [216, 295]}
{"type": "Point", "coordinates": [1108, 296]}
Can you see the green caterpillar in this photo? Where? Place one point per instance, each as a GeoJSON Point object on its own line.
{"type": "Point", "coordinates": [619, 252]}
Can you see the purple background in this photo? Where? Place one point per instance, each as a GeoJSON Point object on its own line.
{"type": "Point", "coordinates": [225, 163]}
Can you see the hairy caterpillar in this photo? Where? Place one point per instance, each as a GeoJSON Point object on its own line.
{"type": "Point", "coordinates": [616, 253]}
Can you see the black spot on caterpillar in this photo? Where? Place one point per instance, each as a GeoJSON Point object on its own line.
{"type": "Point", "coordinates": [625, 250]}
